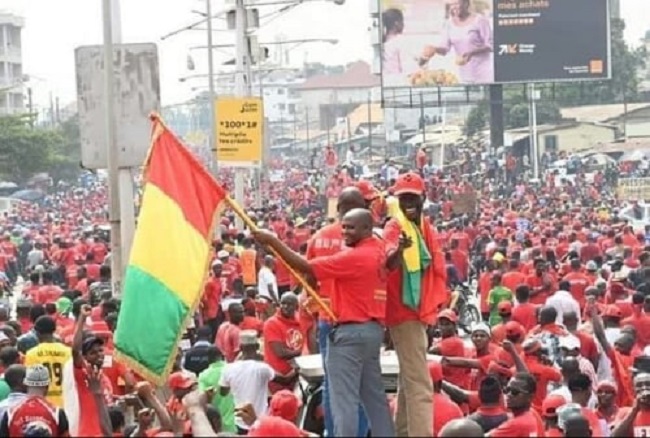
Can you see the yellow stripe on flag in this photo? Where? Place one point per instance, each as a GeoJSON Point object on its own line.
{"type": "Point", "coordinates": [167, 247]}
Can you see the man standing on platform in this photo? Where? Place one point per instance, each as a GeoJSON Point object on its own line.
{"type": "Point", "coordinates": [359, 305]}
{"type": "Point", "coordinates": [416, 291]}
{"type": "Point", "coordinates": [326, 242]}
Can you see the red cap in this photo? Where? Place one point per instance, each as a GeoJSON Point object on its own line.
{"type": "Point", "coordinates": [505, 307]}
{"type": "Point", "coordinates": [285, 404]}
{"type": "Point", "coordinates": [607, 385]}
{"type": "Point", "coordinates": [180, 380]}
{"type": "Point", "coordinates": [514, 328]}
{"type": "Point", "coordinates": [551, 403]}
{"type": "Point", "coordinates": [613, 311]}
{"type": "Point", "coordinates": [435, 371]}
{"type": "Point", "coordinates": [409, 182]}
{"type": "Point", "coordinates": [449, 314]}
{"type": "Point", "coordinates": [269, 425]}
{"type": "Point", "coordinates": [368, 191]}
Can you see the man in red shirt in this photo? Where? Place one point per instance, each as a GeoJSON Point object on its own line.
{"type": "Point", "coordinates": [451, 345]}
{"type": "Point", "coordinates": [539, 367]}
{"type": "Point", "coordinates": [460, 260]}
{"type": "Point", "coordinates": [326, 242]}
{"type": "Point", "coordinates": [540, 283]}
{"type": "Point", "coordinates": [578, 281]}
{"type": "Point", "coordinates": [34, 408]}
{"type": "Point", "coordinates": [445, 410]}
{"type": "Point", "coordinates": [227, 339]}
{"type": "Point", "coordinates": [283, 340]}
{"type": "Point", "coordinates": [211, 300]}
{"type": "Point", "coordinates": [359, 306]}
{"type": "Point", "coordinates": [413, 305]}
{"type": "Point", "coordinates": [524, 422]}
{"type": "Point", "coordinates": [635, 421]}
{"type": "Point", "coordinates": [525, 312]}
{"type": "Point", "coordinates": [514, 277]}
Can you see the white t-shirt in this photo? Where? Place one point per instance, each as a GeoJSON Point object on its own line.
{"type": "Point", "coordinates": [266, 282]}
{"type": "Point", "coordinates": [248, 381]}
{"type": "Point", "coordinates": [563, 302]}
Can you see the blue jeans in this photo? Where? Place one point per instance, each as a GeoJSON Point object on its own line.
{"type": "Point", "coordinates": [324, 329]}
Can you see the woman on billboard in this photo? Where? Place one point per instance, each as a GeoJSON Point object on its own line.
{"type": "Point", "coordinates": [470, 36]}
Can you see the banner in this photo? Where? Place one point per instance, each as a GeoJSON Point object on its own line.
{"type": "Point", "coordinates": [240, 132]}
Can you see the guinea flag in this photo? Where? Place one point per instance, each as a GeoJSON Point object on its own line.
{"type": "Point", "coordinates": [169, 259]}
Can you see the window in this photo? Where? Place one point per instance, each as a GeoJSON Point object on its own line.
{"type": "Point", "coordinates": [550, 143]}
{"type": "Point", "coordinates": [292, 108]}
{"type": "Point", "coordinates": [280, 91]}
{"type": "Point", "coordinates": [281, 106]}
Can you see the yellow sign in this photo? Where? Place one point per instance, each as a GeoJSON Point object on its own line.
{"type": "Point", "coordinates": [240, 124]}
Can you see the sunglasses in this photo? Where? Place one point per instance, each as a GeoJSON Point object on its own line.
{"type": "Point", "coordinates": [514, 391]}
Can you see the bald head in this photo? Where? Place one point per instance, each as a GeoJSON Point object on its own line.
{"type": "Point", "coordinates": [349, 199]}
{"type": "Point", "coordinates": [357, 225]}
{"type": "Point", "coordinates": [461, 428]}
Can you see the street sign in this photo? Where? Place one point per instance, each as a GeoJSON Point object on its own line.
{"type": "Point", "coordinates": [240, 127]}
{"type": "Point", "coordinates": [137, 91]}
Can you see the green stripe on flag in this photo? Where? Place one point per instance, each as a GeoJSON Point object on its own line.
{"type": "Point", "coordinates": [151, 319]}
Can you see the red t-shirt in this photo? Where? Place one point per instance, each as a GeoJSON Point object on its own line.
{"type": "Point", "coordinates": [526, 315]}
{"type": "Point", "coordinates": [579, 282]}
{"type": "Point", "coordinates": [641, 425]}
{"type": "Point", "coordinates": [252, 323]}
{"type": "Point", "coordinates": [227, 340]}
{"type": "Point", "coordinates": [512, 280]}
{"type": "Point", "coordinates": [454, 347]}
{"type": "Point", "coordinates": [89, 425]}
{"type": "Point", "coordinates": [211, 298]}
{"type": "Point", "coordinates": [287, 332]}
{"type": "Point", "coordinates": [444, 411]}
{"type": "Point", "coordinates": [326, 242]}
{"type": "Point", "coordinates": [524, 425]}
{"type": "Point", "coordinates": [359, 276]}
{"type": "Point", "coordinates": [29, 410]}
{"type": "Point", "coordinates": [543, 374]}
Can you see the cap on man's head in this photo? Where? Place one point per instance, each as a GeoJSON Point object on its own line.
{"type": "Point", "coordinates": [550, 405]}
{"type": "Point", "coordinates": [368, 191]}
{"type": "Point", "coordinates": [607, 385]}
{"type": "Point", "coordinates": [180, 380]}
{"type": "Point", "coordinates": [613, 311]}
{"type": "Point", "coordinates": [409, 182]}
{"type": "Point", "coordinates": [285, 404]}
{"type": "Point", "coordinates": [37, 376]}
{"type": "Point", "coordinates": [504, 308]}
{"type": "Point", "coordinates": [449, 315]}
{"type": "Point", "coordinates": [481, 327]}
{"type": "Point", "coordinates": [248, 338]}
{"type": "Point", "coordinates": [591, 266]}
{"type": "Point", "coordinates": [223, 254]}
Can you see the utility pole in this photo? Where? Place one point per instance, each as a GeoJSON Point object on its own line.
{"type": "Point", "coordinates": [30, 106]}
{"type": "Point", "coordinates": [212, 97]}
{"type": "Point", "coordinates": [370, 125]}
{"type": "Point", "coordinates": [112, 153]}
{"type": "Point", "coordinates": [242, 87]}
{"type": "Point", "coordinates": [307, 131]}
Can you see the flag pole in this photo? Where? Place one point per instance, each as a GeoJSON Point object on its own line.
{"type": "Point", "coordinates": [253, 227]}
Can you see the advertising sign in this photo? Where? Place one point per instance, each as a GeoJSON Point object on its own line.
{"type": "Point", "coordinates": [137, 85]}
{"type": "Point", "coordinates": [240, 125]}
{"type": "Point", "coordinates": [432, 43]}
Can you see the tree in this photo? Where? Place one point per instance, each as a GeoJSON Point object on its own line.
{"type": "Point", "coordinates": [477, 119]}
{"type": "Point", "coordinates": [517, 115]}
{"type": "Point", "coordinates": [26, 150]}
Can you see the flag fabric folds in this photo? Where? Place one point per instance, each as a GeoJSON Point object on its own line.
{"type": "Point", "coordinates": [169, 258]}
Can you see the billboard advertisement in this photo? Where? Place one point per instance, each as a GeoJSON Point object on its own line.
{"type": "Point", "coordinates": [431, 43]}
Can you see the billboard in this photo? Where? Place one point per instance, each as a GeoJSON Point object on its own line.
{"type": "Point", "coordinates": [431, 43]}
{"type": "Point", "coordinates": [137, 94]}
{"type": "Point", "coordinates": [240, 127]}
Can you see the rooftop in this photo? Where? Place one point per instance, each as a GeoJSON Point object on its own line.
{"type": "Point", "coordinates": [600, 113]}
{"type": "Point", "coordinates": [9, 18]}
{"type": "Point", "coordinates": [356, 75]}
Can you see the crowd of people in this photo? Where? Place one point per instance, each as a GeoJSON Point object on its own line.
{"type": "Point", "coordinates": [561, 346]}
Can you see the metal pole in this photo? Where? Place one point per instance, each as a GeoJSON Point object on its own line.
{"type": "Point", "coordinates": [242, 88]}
{"type": "Point", "coordinates": [534, 118]}
{"type": "Point", "coordinates": [444, 134]}
{"type": "Point", "coordinates": [212, 103]}
{"type": "Point", "coordinates": [112, 152]}
{"type": "Point", "coordinates": [30, 105]}
{"type": "Point", "coordinates": [370, 125]}
{"type": "Point", "coordinates": [424, 123]}
{"type": "Point", "coordinates": [307, 131]}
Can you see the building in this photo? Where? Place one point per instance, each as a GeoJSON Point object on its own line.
{"type": "Point", "coordinates": [571, 137]}
{"type": "Point", "coordinates": [327, 97]}
{"type": "Point", "coordinates": [11, 64]}
{"type": "Point", "coordinates": [632, 120]}
{"type": "Point", "coordinates": [644, 72]}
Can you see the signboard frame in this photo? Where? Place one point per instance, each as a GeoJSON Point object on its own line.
{"type": "Point", "coordinates": [462, 86]}
{"type": "Point", "coordinates": [137, 87]}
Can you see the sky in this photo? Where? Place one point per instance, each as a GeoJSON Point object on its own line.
{"type": "Point", "coordinates": [54, 28]}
